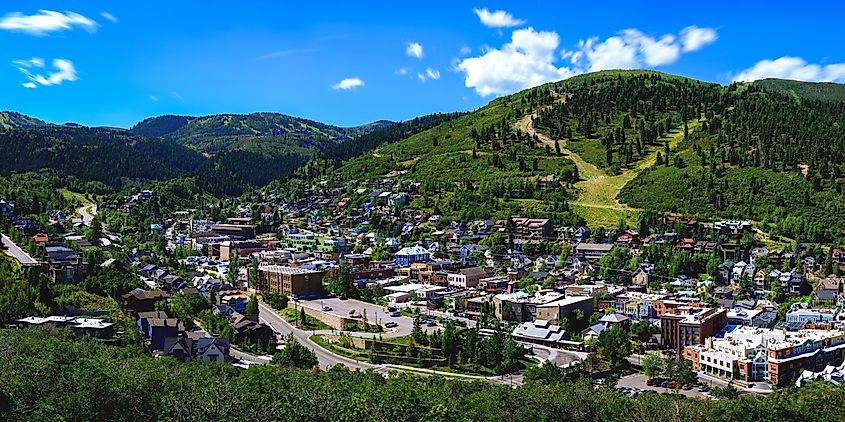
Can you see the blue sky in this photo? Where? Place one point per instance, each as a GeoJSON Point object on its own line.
{"type": "Point", "coordinates": [115, 63]}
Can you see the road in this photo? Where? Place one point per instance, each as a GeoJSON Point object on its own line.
{"type": "Point", "coordinates": [326, 359]}
{"type": "Point", "coordinates": [16, 252]}
{"type": "Point", "coordinates": [88, 212]}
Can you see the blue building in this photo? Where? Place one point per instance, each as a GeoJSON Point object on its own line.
{"type": "Point", "coordinates": [410, 255]}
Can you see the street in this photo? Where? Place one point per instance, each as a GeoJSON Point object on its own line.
{"type": "Point", "coordinates": [16, 252]}
{"type": "Point", "coordinates": [88, 212]}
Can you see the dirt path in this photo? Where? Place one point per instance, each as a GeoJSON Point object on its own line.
{"type": "Point", "coordinates": [598, 191]}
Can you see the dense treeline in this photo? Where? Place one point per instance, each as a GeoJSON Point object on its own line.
{"type": "Point", "coordinates": [160, 126]}
{"type": "Point", "coordinates": [105, 155]}
{"type": "Point", "coordinates": [369, 141]}
{"type": "Point", "coordinates": [48, 375]}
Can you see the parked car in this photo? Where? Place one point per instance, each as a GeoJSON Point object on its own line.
{"type": "Point", "coordinates": [327, 308]}
{"type": "Point", "coordinates": [649, 382]}
{"type": "Point", "coordinates": [431, 324]}
{"type": "Point", "coordinates": [664, 384]}
{"type": "Point", "coordinates": [395, 314]}
{"type": "Point", "coordinates": [391, 324]}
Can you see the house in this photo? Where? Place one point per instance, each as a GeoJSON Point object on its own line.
{"type": "Point", "coordinates": [642, 275]}
{"type": "Point", "coordinates": [156, 326]}
{"type": "Point", "coordinates": [139, 300]}
{"type": "Point", "coordinates": [407, 256]}
{"type": "Point", "coordinates": [180, 347]}
{"type": "Point", "coordinates": [236, 301]}
{"type": "Point", "coordinates": [212, 349]}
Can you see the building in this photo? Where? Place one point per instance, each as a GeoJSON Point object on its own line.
{"type": "Point", "coordinates": [82, 327]}
{"type": "Point", "coordinates": [541, 332]}
{"type": "Point", "coordinates": [565, 308]}
{"type": "Point", "coordinates": [777, 356]}
{"type": "Point", "coordinates": [593, 251]}
{"type": "Point", "coordinates": [532, 228]}
{"type": "Point", "coordinates": [688, 326]}
{"type": "Point", "coordinates": [236, 231]}
{"type": "Point", "coordinates": [521, 306]}
{"type": "Point", "coordinates": [407, 256]}
{"type": "Point", "coordinates": [467, 278]}
{"type": "Point", "coordinates": [292, 281]}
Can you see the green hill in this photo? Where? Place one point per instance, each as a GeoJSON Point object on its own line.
{"type": "Point", "coordinates": [826, 91]}
{"type": "Point", "coordinates": [15, 120]}
{"type": "Point", "coordinates": [257, 132]}
{"type": "Point", "coordinates": [107, 156]}
{"type": "Point", "coordinates": [621, 141]}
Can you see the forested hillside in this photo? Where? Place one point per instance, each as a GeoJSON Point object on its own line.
{"type": "Point", "coordinates": [111, 157]}
{"type": "Point", "coordinates": [216, 133]}
{"type": "Point", "coordinates": [828, 91]}
{"type": "Point", "coordinates": [11, 119]}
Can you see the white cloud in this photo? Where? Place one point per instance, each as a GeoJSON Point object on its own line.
{"type": "Point", "coordinates": [46, 21]}
{"type": "Point", "coordinates": [64, 71]}
{"type": "Point", "coordinates": [109, 17]}
{"type": "Point", "coordinates": [497, 19]}
{"type": "Point", "coordinates": [793, 68]}
{"type": "Point", "coordinates": [403, 71]}
{"type": "Point", "coordinates": [530, 58]}
{"type": "Point", "coordinates": [526, 61]}
{"type": "Point", "coordinates": [694, 38]}
{"type": "Point", "coordinates": [153, 98]}
{"type": "Point", "coordinates": [429, 74]}
{"type": "Point", "coordinates": [465, 50]}
{"type": "Point", "coordinates": [348, 83]}
{"type": "Point", "coordinates": [176, 95]}
{"type": "Point", "coordinates": [414, 50]}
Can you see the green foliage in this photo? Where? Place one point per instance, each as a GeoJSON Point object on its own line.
{"type": "Point", "coordinates": [339, 281]}
{"type": "Point", "coordinates": [275, 300]}
{"type": "Point", "coordinates": [614, 345]}
{"type": "Point", "coordinates": [112, 282]}
{"type": "Point", "coordinates": [49, 376]}
{"type": "Point", "coordinates": [295, 355]}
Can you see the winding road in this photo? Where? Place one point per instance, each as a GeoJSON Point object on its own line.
{"type": "Point", "coordinates": [88, 212]}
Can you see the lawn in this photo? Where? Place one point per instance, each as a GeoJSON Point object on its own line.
{"type": "Point", "coordinates": [291, 315]}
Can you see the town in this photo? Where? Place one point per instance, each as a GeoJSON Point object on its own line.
{"type": "Point", "coordinates": [353, 274]}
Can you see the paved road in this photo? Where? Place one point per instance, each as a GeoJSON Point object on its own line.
{"type": "Point", "coordinates": [16, 252]}
{"type": "Point", "coordinates": [88, 212]}
{"type": "Point", "coordinates": [326, 359]}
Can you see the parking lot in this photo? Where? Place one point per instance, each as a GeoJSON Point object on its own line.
{"type": "Point", "coordinates": [637, 381]}
{"type": "Point", "coordinates": [375, 313]}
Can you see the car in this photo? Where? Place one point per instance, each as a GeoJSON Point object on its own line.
{"type": "Point", "coordinates": [702, 389]}
{"type": "Point", "coordinates": [395, 314]}
{"type": "Point", "coordinates": [430, 324]}
{"type": "Point", "coordinates": [391, 324]}
{"type": "Point", "coordinates": [327, 308]}
{"type": "Point", "coordinates": [664, 384]}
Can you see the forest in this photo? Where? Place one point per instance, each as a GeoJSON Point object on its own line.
{"type": "Point", "coordinates": [49, 375]}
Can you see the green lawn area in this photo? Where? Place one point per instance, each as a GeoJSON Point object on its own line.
{"type": "Point", "coordinates": [292, 316]}
{"type": "Point", "coordinates": [75, 196]}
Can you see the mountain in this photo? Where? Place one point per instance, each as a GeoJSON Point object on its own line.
{"type": "Point", "coordinates": [826, 91]}
{"type": "Point", "coordinates": [604, 146]}
{"type": "Point", "coordinates": [15, 120]}
{"type": "Point", "coordinates": [258, 132]}
{"type": "Point", "coordinates": [107, 156]}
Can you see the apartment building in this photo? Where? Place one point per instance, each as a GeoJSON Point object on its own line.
{"type": "Point", "coordinates": [292, 281]}
{"type": "Point", "coordinates": [688, 326]}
